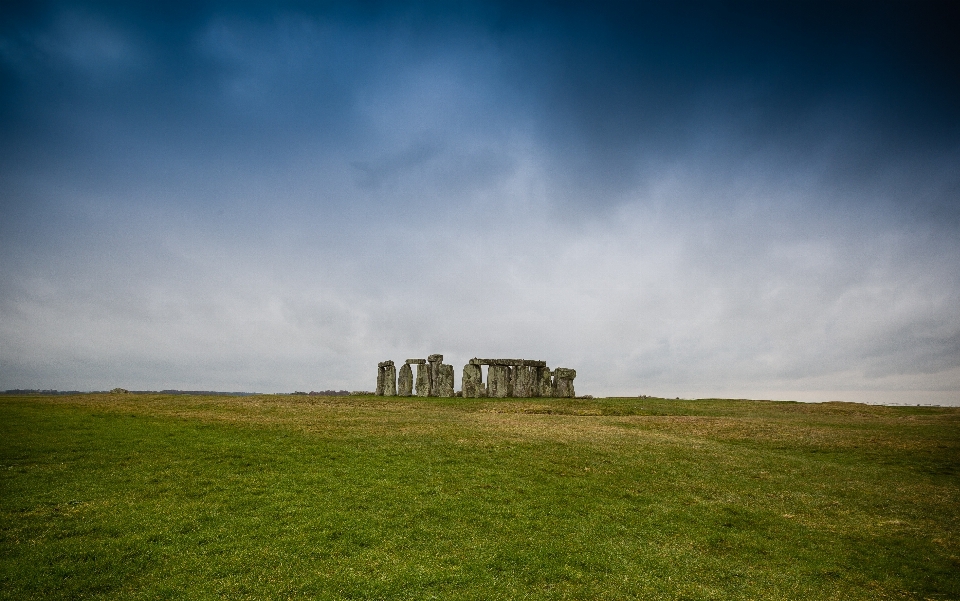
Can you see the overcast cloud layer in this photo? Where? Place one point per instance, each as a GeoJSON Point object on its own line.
{"type": "Point", "coordinates": [709, 200]}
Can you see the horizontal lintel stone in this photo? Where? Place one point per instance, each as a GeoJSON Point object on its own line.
{"type": "Point", "coordinates": [508, 362]}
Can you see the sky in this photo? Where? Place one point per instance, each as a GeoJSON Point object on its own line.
{"type": "Point", "coordinates": [706, 199]}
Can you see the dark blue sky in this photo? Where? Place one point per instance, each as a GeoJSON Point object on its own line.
{"type": "Point", "coordinates": [758, 199]}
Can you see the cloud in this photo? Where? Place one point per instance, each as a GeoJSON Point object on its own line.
{"type": "Point", "coordinates": [676, 202]}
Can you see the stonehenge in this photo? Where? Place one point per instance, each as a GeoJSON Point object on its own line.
{"type": "Point", "coordinates": [443, 386]}
{"type": "Point", "coordinates": [471, 385]}
{"type": "Point", "coordinates": [498, 381]}
{"type": "Point", "coordinates": [386, 379]}
{"type": "Point", "coordinates": [405, 380]}
{"type": "Point", "coordinates": [423, 377]}
{"type": "Point", "coordinates": [563, 382]}
{"type": "Point", "coordinates": [506, 378]}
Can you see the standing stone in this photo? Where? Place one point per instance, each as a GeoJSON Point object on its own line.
{"type": "Point", "coordinates": [389, 380]}
{"type": "Point", "coordinates": [423, 379]}
{"type": "Point", "coordinates": [382, 378]}
{"type": "Point", "coordinates": [545, 381]}
{"type": "Point", "coordinates": [472, 383]}
{"type": "Point", "coordinates": [434, 361]}
{"type": "Point", "coordinates": [498, 381]}
{"type": "Point", "coordinates": [526, 384]}
{"type": "Point", "coordinates": [519, 382]}
{"type": "Point", "coordinates": [444, 381]}
{"type": "Point", "coordinates": [564, 382]}
{"type": "Point", "coordinates": [533, 377]}
{"type": "Point", "coordinates": [405, 381]}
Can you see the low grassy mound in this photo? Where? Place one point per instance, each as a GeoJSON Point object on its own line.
{"type": "Point", "coordinates": [304, 497]}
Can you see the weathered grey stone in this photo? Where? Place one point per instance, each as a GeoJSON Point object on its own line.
{"type": "Point", "coordinates": [563, 382]}
{"type": "Point", "coordinates": [498, 381]}
{"type": "Point", "coordinates": [386, 379]}
{"type": "Point", "coordinates": [444, 381]}
{"type": "Point", "coordinates": [382, 379]}
{"type": "Point", "coordinates": [521, 378]}
{"type": "Point", "coordinates": [524, 381]}
{"type": "Point", "coordinates": [472, 383]}
{"type": "Point", "coordinates": [519, 384]}
{"type": "Point", "coordinates": [533, 381]}
{"type": "Point", "coordinates": [405, 381]}
{"type": "Point", "coordinates": [389, 380]}
{"type": "Point", "coordinates": [423, 379]}
{"type": "Point", "coordinates": [508, 362]}
{"type": "Point", "coordinates": [545, 381]}
{"type": "Point", "coordinates": [434, 361]}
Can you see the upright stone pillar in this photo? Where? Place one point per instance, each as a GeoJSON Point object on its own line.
{"type": "Point", "coordinates": [564, 382]}
{"type": "Point", "coordinates": [389, 379]}
{"type": "Point", "coordinates": [519, 381]}
{"type": "Point", "coordinates": [444, 382]}
{"type": "Point", "coordinates": [525, 384]}
{"type": "Point", "coordinates": [382, 377]}
{"type": "Point", "coordinates": [471, 386]}
{"type": "Point", "coordinates": [533, 373]}
{"type": "Point", "coordinates": [423, 379]}
{"type": "Point", "coordinates": [545, 382]}
{"type": "Point", "coordinates": [498, 381]}
{"type": "Point", "coordinates": [434, 361]}
{"type": "Point", "coordinates": [405, 380]}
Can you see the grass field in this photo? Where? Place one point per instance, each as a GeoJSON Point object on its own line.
{"type": "Point", "coordinates": [293, 497]}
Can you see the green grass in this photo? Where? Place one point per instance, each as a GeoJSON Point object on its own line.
{"type": "Point", "coordinates": [277, 497]}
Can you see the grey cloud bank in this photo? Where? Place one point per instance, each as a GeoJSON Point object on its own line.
{"type": "Point", "coordinates": [674, 202]}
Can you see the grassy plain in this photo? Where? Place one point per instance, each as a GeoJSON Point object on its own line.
{"type": "Point", "coordinates": [121, 496]}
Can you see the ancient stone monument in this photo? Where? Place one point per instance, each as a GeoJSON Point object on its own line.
{"type": "Point", "coordinates": [405, 381]}
{"type": "Point", "coordinates": [386, 379]}
{"type": "Point", "coordinates": [423, 376]}
{"type": "Point", "coordinates": [517, 378]}
{"type": "Point", "coordinates": [445, 379]}
{"type": "Point", "coordinates": [472, 383]}
{"type": "Point", "coordinates": [563, 382]}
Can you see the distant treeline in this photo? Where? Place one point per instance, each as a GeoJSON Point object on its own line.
{"type": "Point", "coordinates": [192, 392]}
{"type": "Point", "coordinates": [196, 392]}
{"type": "Point", "coordinates": [37, 391]}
